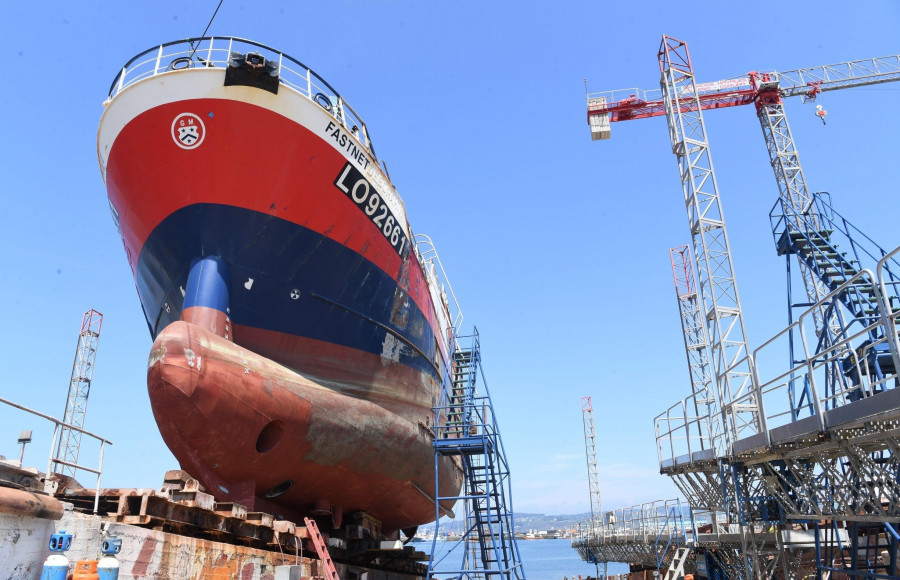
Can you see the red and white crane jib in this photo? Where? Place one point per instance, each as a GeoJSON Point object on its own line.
{"type": "Point", "coordinates": [759, 88]}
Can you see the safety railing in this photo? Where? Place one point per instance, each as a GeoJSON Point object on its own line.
{"type": "Point", "coordinates": [479, 424]}
{"type": "Point", "coordinates": [627, 96]}
{"type": "Point", "coordinates": [826, 376]}
{"type": "Point", "coordinates": [439, 284]}
{"type": "Point", "coordinates": [684, 436]}
{"type": "Point", "coordinates": [213, 52]}
{"type": "Point", "coordinates": [617, 96]}
{"type": "Point", "coordinates": [890, 311]}
{"type": "Point", "coordinates": [53, 448]}
{"type": "Point", "coordinates": [861, 362]}
{"type": "Point", "coordinates": [642, 523]}
{"type": "Point", "coordinates": [709, 526]}
{"type": "Point", "coordinates": [464, 408]}
{"type": "Point", "coordinates": [645, 523]}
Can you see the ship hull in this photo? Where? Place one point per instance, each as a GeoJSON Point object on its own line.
{"type": "Point", "coordinates": [258, 434]}
{"type": "Point", "coordinates": [320, 320]}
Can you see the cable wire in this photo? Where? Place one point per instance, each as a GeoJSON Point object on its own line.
{"type": "Point", "coordinates": [194, 51]}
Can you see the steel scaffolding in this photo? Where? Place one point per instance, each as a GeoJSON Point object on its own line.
{"type": "Point", "coordinates": [465, 426]}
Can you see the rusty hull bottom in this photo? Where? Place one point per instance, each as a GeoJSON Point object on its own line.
{"type": "Point", "coordinates": [256, 433]}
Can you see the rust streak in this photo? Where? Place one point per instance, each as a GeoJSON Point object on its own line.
{"type": "Point", "coordinates": [145, 556]}
{"type": "Point", "coordinates": [247, 571]}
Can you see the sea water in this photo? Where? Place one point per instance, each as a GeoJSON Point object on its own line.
{"type": "Point", "coordinates": [541, 559]}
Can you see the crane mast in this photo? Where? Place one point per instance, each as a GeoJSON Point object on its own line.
{"type": "Point", "coordinates": [590, 447]}
{"type": "Point", "coordinates": [717, 287]}
{"type": "Point", "coordinates": [795, 194]}
{"type": "Point", "coordinates": [695, 346]}
{"type": "Point", "coordinates": [69, 446]}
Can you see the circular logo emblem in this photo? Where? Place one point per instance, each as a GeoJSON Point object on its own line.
{"type": "Point", "coordinates": [188, 131]}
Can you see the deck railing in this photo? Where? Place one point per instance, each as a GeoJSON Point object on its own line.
{"type": "Point", "coordinates": [681, 433]}
{"type": "Point", "coordinates": [641, 523]}
{"type": "Point", "coordinates": [217, 52]}
{"type": "Point", "coordinates": [793, 399]}
{"type": "Point", "coordinates": [214, 52]}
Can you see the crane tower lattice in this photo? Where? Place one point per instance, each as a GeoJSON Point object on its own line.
{"type": "Point", "coordinates": [590, 445]}
{"type": "Point", "coordinates": [66, 460]}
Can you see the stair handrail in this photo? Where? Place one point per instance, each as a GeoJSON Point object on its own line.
{"type": "Point", "coordinates": [478, 430]}
{"type": "Point", "coordinates": [888, 318]}
{"type": "Point", "coordinates": [444, 404]}
{"type": "Point", "coordinates": [490, 429]}
{"type": "Point", "coordinates": [825, 210]}
{"type": "Point", "coordinates": [673, 536]}
{"type": "Point", "coordinates": [848, 226]}
{"type": "Point", "coordinates": [812, 361]}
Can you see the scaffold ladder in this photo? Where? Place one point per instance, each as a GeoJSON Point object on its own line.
{"type": "Point", "coordinates": [466, 427]}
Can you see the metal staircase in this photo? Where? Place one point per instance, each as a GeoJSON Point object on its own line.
{"type": "Point", "coordinates": [843, 259]}
{"type": "Point", "coordinates": [816, 235]}
{"type": "Point", "coordinates": [462, 374]}
{"type": "Point", "coordinates": [676, 569]}
{"type": "Point", "coordinates": [465, 426]}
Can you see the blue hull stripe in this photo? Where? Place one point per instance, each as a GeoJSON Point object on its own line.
{"type": "Point", "coordinates": [283, 278]}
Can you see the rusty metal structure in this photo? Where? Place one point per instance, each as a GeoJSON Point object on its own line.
{"type": "Point", "coordinates": [177, 530]}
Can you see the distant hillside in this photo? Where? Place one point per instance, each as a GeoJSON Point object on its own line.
{"type": "Point", "coordinates": [526, 521]}
{"type": "Point", "coordinates": [547, 522]}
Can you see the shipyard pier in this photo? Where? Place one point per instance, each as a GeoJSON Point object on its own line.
{"type": "Point", "coordinates": [176, 532]}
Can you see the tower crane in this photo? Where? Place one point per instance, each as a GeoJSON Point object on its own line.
{"type": "Point", "coordinates": [681, 100]}
{"type": "Point", "coordinates": [590, 447]}
{"type": "Point", "coordinates": [66, 461]}
{"type": "Point", "coordinates": [822, 480]}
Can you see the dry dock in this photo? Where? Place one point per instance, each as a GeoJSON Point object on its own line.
{"type": "Point", "coordinates": [177, 532]}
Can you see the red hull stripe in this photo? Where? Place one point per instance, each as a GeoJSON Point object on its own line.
{"type": "Point", "coordinates": [253, 158]}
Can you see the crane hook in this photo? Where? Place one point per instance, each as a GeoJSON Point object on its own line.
{"type": "Point", "coordinates": [820, 113]}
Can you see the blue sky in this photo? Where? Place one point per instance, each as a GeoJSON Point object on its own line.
{"type": "Point", "coordinates": [556, 246]}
